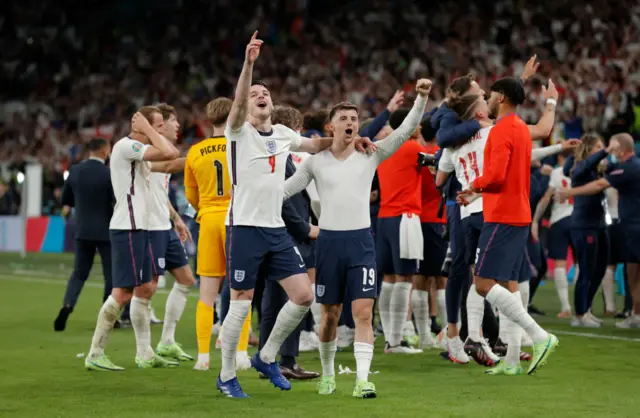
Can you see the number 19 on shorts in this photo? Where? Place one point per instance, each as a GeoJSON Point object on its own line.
{"type": "Point", "coordinates": [368, 276]}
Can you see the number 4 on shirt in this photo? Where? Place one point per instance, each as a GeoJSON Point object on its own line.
{"type": "Point", "coordinates": [472, 165]}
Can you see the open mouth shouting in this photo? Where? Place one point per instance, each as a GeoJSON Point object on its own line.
{"type": "Point", "coordinates": [262, 104]}
{"type": "Point", "coordinates": [348, 131]}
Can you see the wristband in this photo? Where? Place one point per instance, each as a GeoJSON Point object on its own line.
{"type": "Point", "coordinates": [552, 102]}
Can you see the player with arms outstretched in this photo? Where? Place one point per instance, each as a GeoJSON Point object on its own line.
{"type": "Point", "coordinates": [257, 154]}
{"type": "Point", "coordinates": [346, 251]}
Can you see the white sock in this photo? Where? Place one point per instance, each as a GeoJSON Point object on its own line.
{"type": "Point", "coordinates": [176, 301]}
{"type": "Point", "coordinates": [523, 289]}
{"type": "Point", "coordinates": [475, 313]}
{"type": "Point", "coordinates": [288, 319]}
{"type": "Point", "coordinates": [384, 308]}
{"type": "Point", "coordinates": [363, 353]}
{"type": "Point", "coordinates": [218, 304]}
{"type": "Point", "coordinates": [420, 308]}
{"type": "Point", "coordinates": [562, 287]}
{"type": "Point", "coordinates": [316, 308]}
{"type": "Point", "coordinates": [514, 337]}
{"type": "Point", "coordinates": [238, 310]}
{"type": "Point", "coordinates": [398, 311]}
{"type": "Point", "coordinates": [140, 319]}
{"type": "Point", "coordinates": [327, 356]}
{"type": "Point", "coordinates": [441, 300]}
{"type": "Point", "coordinates": [511, 306]}
{"type": "Point", "coordinates": [106, 318]}
{"type": "Point", "coordinates": [608, 292]}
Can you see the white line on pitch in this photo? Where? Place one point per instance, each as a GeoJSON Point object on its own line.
{"type": "Point", "coordinates": [589, 335]}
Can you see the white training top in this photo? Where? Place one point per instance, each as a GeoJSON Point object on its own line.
{"type": "Point", "coordinates": [130, 181]}
{"type": "Point", "coordinates": [256, 163]}
{"type": "Point", "coordinates": [612, 202]}
{"type": "Point", "coordinates": [158, 210]}
{"type": "Point", "coordinates": [560, 210]}
{"type": "Point", "coordinates": [344, 186]}
{"type": "Point", "coordinates": [467, 161]}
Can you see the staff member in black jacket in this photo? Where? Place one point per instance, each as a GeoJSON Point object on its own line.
{"type": "Point", "coordinates": [296, 213]}
{"type": "Point", "coordinates": [88, 190]}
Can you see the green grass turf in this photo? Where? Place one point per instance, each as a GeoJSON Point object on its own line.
{"type": "Point", "coordinates": [42, 375]}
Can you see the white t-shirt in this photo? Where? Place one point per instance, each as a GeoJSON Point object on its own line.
{"type": "Point", "coordinates": [612, 202]}
{"type": "Point", "coordinates": [560, 210]}
{"type": "Point", "coordinates": [344, 186]}
{"type": "Point", "coordinates": [467, 161]}
{"type": "Point", "coordinates": [256, 164]}
{"type": "Point", "coordinates": [130, 181]}
{"type": "Point", "coordinates": [159, 206]}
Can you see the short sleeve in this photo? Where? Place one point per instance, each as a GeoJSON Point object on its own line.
{"type": "Point", "coordinates": [133, 150]}
{"type": "Point", "coordinates": [619, 178]}
{"type": "Point", "coordinates": [232, 135]}
{"type": "Point", "coordinates": [296, 140]}
{"type": "Point", "coordinates": [446, 162]}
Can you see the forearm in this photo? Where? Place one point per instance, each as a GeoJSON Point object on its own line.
{"type": "Point", "coordinates": [296, 183]}
{"type": "Point", "coordinates": [240, 106]}
{"type": "Point", "coordinates": [441, 178]}
{"type": "Point", "coordinates": [173, 214]}
{"type": "Point", "coordinates": [163, 145]}
{"type": "Point", "coordinates": [169, 167]}
{"type": "Point", "coordinates": [538, 154]}
{"type": "Point", "coordinates": [315, 145]}
{"type": "Point", "coordinates": [589, 189]}
{"type": "Point", "coordinates": [398, 137]}
{"type": "Point", "coordinates": [541, 209]}
{"type": "Point", "coordinates": [543, 128]}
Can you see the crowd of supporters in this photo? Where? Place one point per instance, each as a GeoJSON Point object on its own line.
{"type": "Point", "coordinates": [68, 76]}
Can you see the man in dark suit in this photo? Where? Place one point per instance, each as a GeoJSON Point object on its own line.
{"type": "Point", "coordinates": [88, 190]}
{"type": "Point", "coordinates": [296, 213]}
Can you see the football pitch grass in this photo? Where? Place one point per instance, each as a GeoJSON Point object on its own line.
{"type": "Point", "coordinates": [594, 373]}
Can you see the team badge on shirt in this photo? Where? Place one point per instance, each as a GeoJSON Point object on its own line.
{"type": "Point", "coordinates": [136, 146]}
{"type": "Point", "coordinates": [238, 275]}
{"type": "Point", "coordinates": [320, 290]}
{"type": "Point", "coordinates": [271, 145]}
{"type": "Point", "coordinates": [161, 263]}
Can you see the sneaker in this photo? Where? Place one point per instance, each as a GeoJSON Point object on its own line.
{"type": "Point", "coordinates": [427, 342]}
{"type": "Point", "coordinates": [585, 322]}
{"type": "Point", "coordinates": [632, 321]}
{"type": "Point", "coordinates": [153, 318]}
{"type": "Point", "coordinates": [202, 365]}
{"type": "Point", "coordinates": [505, 370]}
{"type": "Point", "coordinates": [156, 362]}
{"type": "Point", "coordinates": [593, 317]}
{"type": "Point", "coordinates": [623, 315]}
{"type": "Point", "coordinates": [364, 390]}
{"type": "Point", "coordinates": [378, 331]}
{"type": "Point", "coordinates": [403, 348]}
{"type": "Point", "coordinates": [60, 322]}
{"type": "Point", "coordinates": [101, 364]}
{"type": "Point", "coordinates": [542, 352]}
{"type": "Point", "coordinates": [500, 348]}
{"type": "Point", "coordinates": [435, 327]}
{"type": "Point", "coordinates": [326, 385]}
{"type": "Point", "coordinates": [408, 330]}
{"type": "Point", "coordinates": [272, 371]}
{"type": "Point", "coordinates": [242, 360]}
{"type": "Point", "coordinates": [413, 341]}
{"type": "Point", "coordinates": [535, 311]}
{"type": "Point", "coordinates": [231, 388]}
{"type": "Point", "coordinates": [173, 351]}
{"type": "Point", "coordinates": [475, 350]}
{"type": "Point", "coordinates": [456, 351]}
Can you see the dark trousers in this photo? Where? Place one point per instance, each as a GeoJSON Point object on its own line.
{"type": "Point", "coordinates": [273, 299]}
{"type": "Point", "coordinates": [85, 252]}
{"type": "Point", "coordinates": [592, 253]}
{"type": "Point", "coordinates": [459, 275]}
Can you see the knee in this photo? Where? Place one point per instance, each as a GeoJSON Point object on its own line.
{"type": "Point", "coordinates": [483, 287]}
{"type": "Point", "coordinates": [145, 291]}
{"type": "Point", "coordinates": [330, 318]}
{"type": "Point", "coordinates": [363, 315]}
{"type": "Point", "coordinates": [122, 296]}
{"type": "Point", "coordinates": [304, 298]}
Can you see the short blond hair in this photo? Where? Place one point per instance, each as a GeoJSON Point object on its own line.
{"type": "Point", "coordinates": [287, 116]}
{"type": "Point", "coordinates": [148, 112]}
{"type": "Point", "coordinates": [167, 111]}
{"type": "Point", "coordinates": [218, 110]}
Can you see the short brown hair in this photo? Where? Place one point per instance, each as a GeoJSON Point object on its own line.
{"type": "Point", "coordinates": [460, 86]}
{"type": "Point", "coordinates": [148, 111]}
{"type": "Point", "coordinates": [341, 106]}
{"type": "Point", "coordinates": [218, 110]}
{"type": "Point", "coordinates": [464, 105]}
{"type": "Point", "coordinates": [167, 111]}
{"type": "Point", "coordinates": [287, 116]}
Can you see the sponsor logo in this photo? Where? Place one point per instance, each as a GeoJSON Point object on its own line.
{"type": "Point", "coordinates": [161, 263]}
{"type": "Point", "coordinates": [320, 290]}
{"type": "Point", "coordinates": [271, 146]}
{"type": "Point", "coordinates": [366, 289]}
{"type": "Point", "coordinates": [238, 275]}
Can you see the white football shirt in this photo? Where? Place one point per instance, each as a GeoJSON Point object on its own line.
{"type": "Point", "coordinates": [312, 191]}
{"type": "Point", "coordinates": [159, 206]}
{"type": "Point", "coordinates": [467, 161]}
{"type": "Point", "coordinates": [256, 163]}
{"type": "Point", "coordinates": [344, 186]}
{"type": "Point", "coordinates": [560, 210]}
{"type": "Point", "coordinates": [130, 182]}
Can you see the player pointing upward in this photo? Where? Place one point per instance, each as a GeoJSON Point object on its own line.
{"type": "Point", "coordinates": [257, 154]}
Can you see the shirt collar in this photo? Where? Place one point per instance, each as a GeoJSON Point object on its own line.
{"type": "Point", "coordinates": [508, 115]}
{"type": "Point", "coordinates": [97, 159]}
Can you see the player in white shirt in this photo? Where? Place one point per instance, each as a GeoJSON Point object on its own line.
{"type": "Point", "coordinates": [345, 247]}
{"type": "Point", "coordinates": [467, 161]}
{"type": "Point", "coordinates": [165, 243]}
{"type": "Point", "coordinates": [130, 168]}
{"type": "Point", "coordinates": [257, 153]}
{"type": "Point", "coordinates": [559, 236]}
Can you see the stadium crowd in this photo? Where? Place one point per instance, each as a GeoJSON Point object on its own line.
{"type": "Point", "coordinates": [67, 78]}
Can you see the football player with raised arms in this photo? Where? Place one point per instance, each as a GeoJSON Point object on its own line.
{"type": "Point", "coordinates": [257, 154]}
{"type": "Point", "coordinates": [345, 247]}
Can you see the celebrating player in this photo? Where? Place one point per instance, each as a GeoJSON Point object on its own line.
{"type": "Point", "coordinates": [256, 236]}
{"type": "Point", "coordinates": [130, 170]}
{"type": "Point", "coordinates": [346, 252]}
{"type": "Point", "coordinates": [505, 187]}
